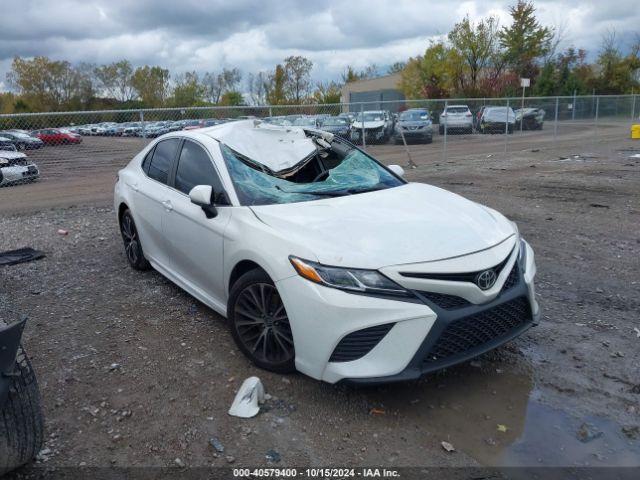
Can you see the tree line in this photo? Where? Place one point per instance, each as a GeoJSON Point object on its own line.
{"type": "Point", "coordinates": [475, 59]}
{"type": "Point", "coordinates": [482, 59]}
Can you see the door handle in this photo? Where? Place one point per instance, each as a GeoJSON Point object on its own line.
{"type": "Point", "coordinates": [167, 205]}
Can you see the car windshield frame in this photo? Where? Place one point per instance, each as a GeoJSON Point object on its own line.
{"type": "Point", "coordinates": [370, 117]}
{"type": "Point", "coordinates": [254, 185]}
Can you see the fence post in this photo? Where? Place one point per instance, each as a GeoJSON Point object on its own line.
{"type": "Point", "coordinates": [144, 130]}
{"type": "Point", "coordinates": [446, 103]}
{"type": "Point", "coordinates": [506, 128]}
{"type": "Point", "coordinates": [364, 141]}
{"type": "Point", "coordinates": [633, 108]}
{"type": "Point", "coordinates": [270, 111]}
{"type": "Point", "coordinates": [595, 136]}
{"type": "Point", "coordinates": [555, 126]}
{"type": "Point", "coordinates": [573, 106]}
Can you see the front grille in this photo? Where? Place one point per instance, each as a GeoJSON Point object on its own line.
{"type": "Point", "coordinates": [480, 329]}
{"type": "Point", "coordinates": [512, 279]}
{"type": "Point", "coordinates": [442, 300]}
{"type": "Point", "coordinates": [357, 344]}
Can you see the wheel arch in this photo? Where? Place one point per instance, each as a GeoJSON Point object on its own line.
{"type": "Point", "coordinates": [240, 268]}
{"type": "Point", "coordinates": [121, 209]}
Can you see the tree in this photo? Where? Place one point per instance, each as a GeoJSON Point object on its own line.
{"type": "Point", "coordinates": [151, 85]}
{"type": "Point", "coordinates": [617, 73]}
{"type": "Point", "coordinates": [258, 85]}
{"type": "Point", "coordinates": [46, 84]}
{"type": "Point", "coordinates": [188, 91]}
{"type": "Point", "coordinates": [351, 75]}
{"type": "Point", "coordinates": [216, 85]}
{"type": "Point", "coordinates": [329, 92]}
{"type": "Point", "coordinates": [525, 40]}
{"type": "Point", "coordinates": [276, 90]}
{"type": "Point", "coordinates": [429, 75]}
{"type": "Point", "coordinates": [476, 45]}
{"type": "Point", "coordinates": [396, 67]}
{"type": "Point", "coordinates": [297, 72]}
{"type": "Point", "coordinates": [232, 98]}
{"type": "Point", "coordinates": [115, 80]}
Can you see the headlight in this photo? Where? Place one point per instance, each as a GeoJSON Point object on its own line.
{"type": "Point", "coordinates": [349, 279]}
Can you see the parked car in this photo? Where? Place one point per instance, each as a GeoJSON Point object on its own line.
{"type": "Point", "coordinates": [531, 118]}
{"type": "Point", "coordinates": [16, 168]}
{"type": "Point", "coordinates": [349, 116]}
{"type": "Point", "coordinates": [457, 118]}
{"type": "Point", "coordinates": [323, 259]}
{"type": "Point", "coordinates": [7, 144]}
{"type": "Point", "coordinates": [377, 125]}
{"type": "Point", "coordinates": [132, 129]}
{"type": "Point", "coordinates": [22, 141]}
{"type": "Point", "coordinates": [337, 125]}
{"type": "Point", "coordinates": [497, 120]}
{"type": "Point", "coordinates": [57, 136]}
{"type": "Point", "coordinates": [413, 124]}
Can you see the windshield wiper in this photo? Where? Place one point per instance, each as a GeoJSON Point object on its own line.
{"type": "Point", "coordinates": [323, 193]}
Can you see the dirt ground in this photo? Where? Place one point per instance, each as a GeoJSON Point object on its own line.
{"type": "Point", "coordinates": [133, 371]}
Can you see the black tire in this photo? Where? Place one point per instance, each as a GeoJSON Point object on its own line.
{"type": "Point", "coordinates": [429, 140]}
{"type": "Point", "coordinates": [21, 421]}
{"type": "Point", "coordinates": [397, 141]}
{"type": "Point", "coordinates": [259, 323]}
{"type": "Point", "coordinates": [132, 244]}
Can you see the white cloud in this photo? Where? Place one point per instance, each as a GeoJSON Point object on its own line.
{"type": "Point", "coordinates": [254, 35]}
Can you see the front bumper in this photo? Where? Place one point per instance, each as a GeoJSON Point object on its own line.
{"type": "Point", "coordinates": [321, 318]}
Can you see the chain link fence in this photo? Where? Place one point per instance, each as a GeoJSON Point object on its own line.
{"type": "Point", "coordinates": [42, 146]}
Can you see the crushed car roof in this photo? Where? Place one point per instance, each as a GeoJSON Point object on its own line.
{"type": "Point", "coordinates": [276, 147]}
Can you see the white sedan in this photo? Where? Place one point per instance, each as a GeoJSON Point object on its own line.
{"type": "Point", "coordinates": [322, 259]}
{"type": "Point", "coordinates": [16, 168]}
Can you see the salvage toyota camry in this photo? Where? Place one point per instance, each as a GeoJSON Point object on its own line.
{"type": "Point", "coordinates": [322, 259]}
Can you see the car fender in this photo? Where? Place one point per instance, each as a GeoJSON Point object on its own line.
{"type": "Point", "coordinates": [245, 232]}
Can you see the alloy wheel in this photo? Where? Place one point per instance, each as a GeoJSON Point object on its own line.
{"type": "Point", "coordinates": [262, 323]}
{"type": "Point", "coordinates": [130, 238]}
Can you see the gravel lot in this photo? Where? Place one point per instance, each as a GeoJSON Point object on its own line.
{"type": "Point", "coordinates": [135, 372]}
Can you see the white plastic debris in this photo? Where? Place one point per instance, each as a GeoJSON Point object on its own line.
{"type": "Point", "coordinates": [248, 398]}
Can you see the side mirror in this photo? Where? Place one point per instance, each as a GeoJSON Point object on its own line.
{"type": "Point", "coordinates": [397, 169]}
{"type": "Point", "coordinates": [202, 195]}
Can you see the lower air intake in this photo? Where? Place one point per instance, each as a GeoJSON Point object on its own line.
{"type": "Point", "coordinates": [357, 344]}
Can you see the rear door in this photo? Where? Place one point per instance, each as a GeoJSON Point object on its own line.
{"type": "Point", "coordinates": [152, 200]}
{"type": "Point", "coordinates": [195, 241]}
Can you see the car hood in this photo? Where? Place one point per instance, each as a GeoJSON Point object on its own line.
{"type": "Point", "coordinates": [407, 224]}
{"type": "Point", "coordinates": [368, 124]}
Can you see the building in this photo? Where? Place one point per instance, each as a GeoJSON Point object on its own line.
{"type": "Point", "coordinates": [372, 92]}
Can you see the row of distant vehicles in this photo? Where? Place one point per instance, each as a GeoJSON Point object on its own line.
{"type": "Point", "coordinates": [416, 124]}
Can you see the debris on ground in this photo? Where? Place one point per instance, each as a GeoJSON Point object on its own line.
{"type": "Point", "coordinates": [502, 428]}
{"type": "Point", "coordinates": [248, 398]}
{"type": "Point", "coordinates": [179, 463]}
{"type": "Point", "coordinates": [377, 411]}
{"type": "Point", "coordinates": [632, 432]}
{"type": "Point", "coordinates": [637, 330]}
{"type": "Point", "coordinates": [598, 205]}
{"type": "Point", "coordinates": [588, 432]}
{"type": "Point", "coordinates": [447, 446]}
{"type": "Point", "coordinates": [63, 232]}
{"type": "Point", "coordinates": [21, 255]}
{"type": "Point", "coordinates": [272, 456]}
{"type": "Point", "coordinates": [217, 444]}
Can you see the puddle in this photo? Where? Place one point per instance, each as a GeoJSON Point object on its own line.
{"type": "Point", "coordinates": [469, 407]}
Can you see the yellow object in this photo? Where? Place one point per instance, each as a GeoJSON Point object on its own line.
{"type": "Point", "coordinates": [635, 131]}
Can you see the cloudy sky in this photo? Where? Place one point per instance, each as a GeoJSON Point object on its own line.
{"type": "Point", "coordinates": [206, 35]}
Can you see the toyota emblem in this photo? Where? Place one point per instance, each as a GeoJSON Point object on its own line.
{"type": "Point", "coordinates": [486, 279]}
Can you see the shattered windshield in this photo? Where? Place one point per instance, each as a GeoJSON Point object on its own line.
{"type": "Point", "coordinates": [329, 174]}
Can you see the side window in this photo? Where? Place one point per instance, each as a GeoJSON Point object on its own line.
{"type": "Point", "coordinates": [196, 168]}
{"type": "Point", "coordinates": [147, 159]}
{"type": "Point", "coordinates": [161, 160]}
